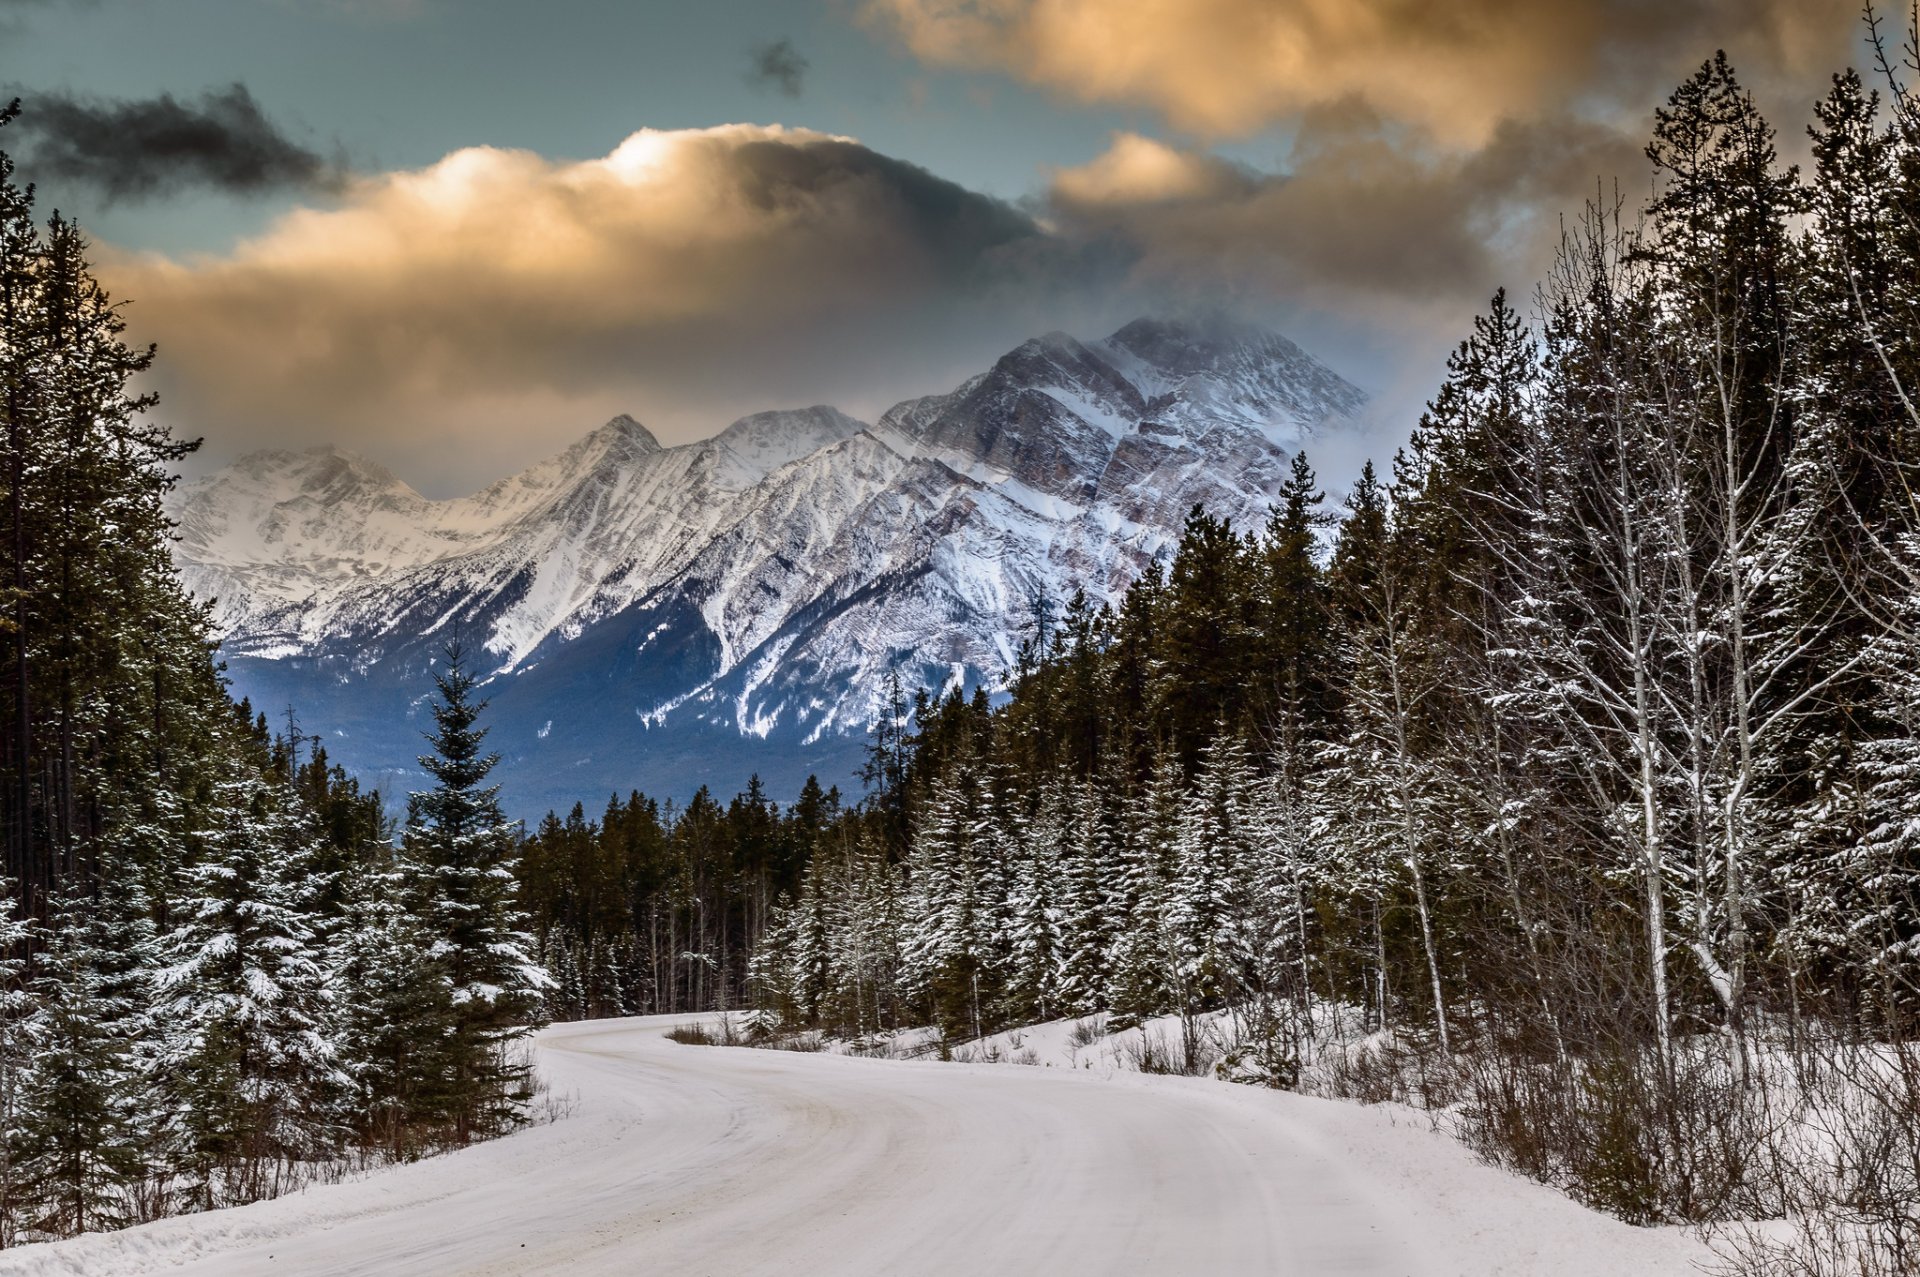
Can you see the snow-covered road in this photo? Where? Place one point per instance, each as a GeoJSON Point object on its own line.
{"type": "Point", "coordinates": [693, 1160]}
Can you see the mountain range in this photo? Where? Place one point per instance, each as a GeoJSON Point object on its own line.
{"type": "Point", "coordinates": [666, 617]}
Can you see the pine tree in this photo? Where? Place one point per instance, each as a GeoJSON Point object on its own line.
{"type": "Point", "coordinates": [1144, 959]}
{"type": "Point", "coordinates": [774, 978]}
{"type": "Point", "coordinates": [1208, 885]}
{"type": "Point", "coordinates": [812, 980]}
{"type": "Point", "coordinates": [459, 856]}
{"type": "Point", "coordinates": [81, 1134]}
{"type": "Point", "coordinates": [1087, 931]}
{"type": "Point", "coordinates": [1865, 901]}
{"type": "Point", "coordinates": [244, 1067]}
{"type": "Point", "coordinates": [1202, 649]}
{"type": "Point", "coordinates": [949, 947]}
{"type": "Point", "coordinates": [111, 704]}
{"type": "Point", "coordinates": [1033, 980]}
{"type": "Point", "coordinates": [1294, 635]}
{"type": "Point", "coordinates": [16, 1057]}
{"type": "Point", "coordinates": [390, 1019]}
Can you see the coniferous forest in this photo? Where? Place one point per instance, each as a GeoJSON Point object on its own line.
{"type": "Point", "coordinates": [1565, 776]}
{"type": "Point", "coordinates": [224, 971]}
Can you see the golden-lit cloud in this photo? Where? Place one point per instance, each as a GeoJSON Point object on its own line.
{"type": "Point", "coordinates": [686, 274]}
{"type": "Point", "coordinates": [1454, 68]}
{"type": "Point", "coordinates": [1136, 171]}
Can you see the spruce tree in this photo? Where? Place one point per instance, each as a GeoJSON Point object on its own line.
{"type": "Point", "coordinates": [1208, 886]}
{"type": "Point", "coordinates": [389, 1018]}
{"type": "Point", "coordinates": [245, 1070]}
{"type": "Point", "coordinates": [1087, 930]}
{"type": "Point", "coordinates": [1144, 958]}
{"type": "Point", "coordinates": [949, 945]}
{"type": "Point", "coordinates": [1293, 633]}
{"type": "Point", "coordinates": [80, 1130]}
{"type": "Point", "coordinates": [459, 855]}
{"type": "Point", "coordinates": [1034, 980]}
{"type": "Point", "coordinates": [112, 709]}
{"type": "Point", "coordinates": [16, 1060]}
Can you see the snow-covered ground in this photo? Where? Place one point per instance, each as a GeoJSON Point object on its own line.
{"type": "Point", "coordinates": [694, 1160]}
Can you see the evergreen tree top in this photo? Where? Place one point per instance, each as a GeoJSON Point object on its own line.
{"type": "Point", "coordinates": [459, 806]}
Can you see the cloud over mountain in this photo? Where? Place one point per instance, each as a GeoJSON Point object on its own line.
{"type": "Point", "coordinates": [496, 287]}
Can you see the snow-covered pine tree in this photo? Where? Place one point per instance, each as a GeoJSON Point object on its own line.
{"type": "Point", "coordinates": [817, 941]}
{"type": "Point", "coordinates": [243, 1065]}
{"type": "Point", "coordinates": [1869, 910]}
{"type": "Point", "coordinates": [389, 1018]}
{"type": "Point", "coordinates": [16, 1007]}
{"type": "Point", "coordinates": [1033, 982]}
{"type": "Point", "coordinates": [950, 942]}
{"type": "Point", "coordinates": [772, 973]}
{"type": "Point", "coordinates": [1847, 860]}
{"type": "Point", "coordinates": [81, 1135]}
{"type": "Point", "coordinates": [458, 853]}
{"type": "Point", "coordinates": [1087, 923]}
{"type": "Point", "coordinates": [1294, 638]}
{"type": "Point", "coordinates": [869, 939]}
{"type": "Point", "coordinates": [1144, 958]}
{"type": "Point", "coordinates": [567, 999]}
{"type": "Point", "coordinates": [1209, 884]}
{"type": "Point", "coordinates": [107, 656]}
{"type": "Point", "coordinates": [1263, 944]}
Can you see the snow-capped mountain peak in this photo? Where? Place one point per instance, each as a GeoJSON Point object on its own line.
{"type": "Point", "coordinates": [643, 606]}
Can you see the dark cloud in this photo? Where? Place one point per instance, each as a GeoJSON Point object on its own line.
{"type": "Point", "coordinates": [779, 66]}
{"type": "Point", "coordinates": [132, 150]}
{"type": "Point", "coordinates": [954, 229]}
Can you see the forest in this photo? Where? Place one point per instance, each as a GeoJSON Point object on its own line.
{"type": "Point", "coordinates": [655, 907]}
{"type": "Point", "coordinates": [1562, 779]}
{"type": "Point", "coordinates": [223, 971]}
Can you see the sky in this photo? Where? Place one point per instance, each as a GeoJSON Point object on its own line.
{"type": "Point", "coordinates": [455, 235]}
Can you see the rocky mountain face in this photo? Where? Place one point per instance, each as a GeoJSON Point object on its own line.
{"type": "Point", "coordinates": [663, 618]}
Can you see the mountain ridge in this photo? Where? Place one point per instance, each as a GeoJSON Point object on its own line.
{"type": "Point", "coordinates": [676, 605]}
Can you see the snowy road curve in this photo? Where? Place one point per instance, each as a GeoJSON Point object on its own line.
{"type": "Point", "coordinates": [691, 1160]}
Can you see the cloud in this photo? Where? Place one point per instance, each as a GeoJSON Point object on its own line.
{"type": "Point", "coordinates": [1454, 69]}
{"type": "Point", "coordinates": [1360, 221]}
{"type": "Point", "coordinates": [462, 318]}
{"type": "Point", "coordinates": [1137, 171]}
{"type": "Point", "coordinates": [778, 65]}
{"type": "Point", "coordinates": [139, 149]}
{"type": "Point", "coordinates": [496, 302]}
{"type": "Point", "coordinates": [1374, 250]}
